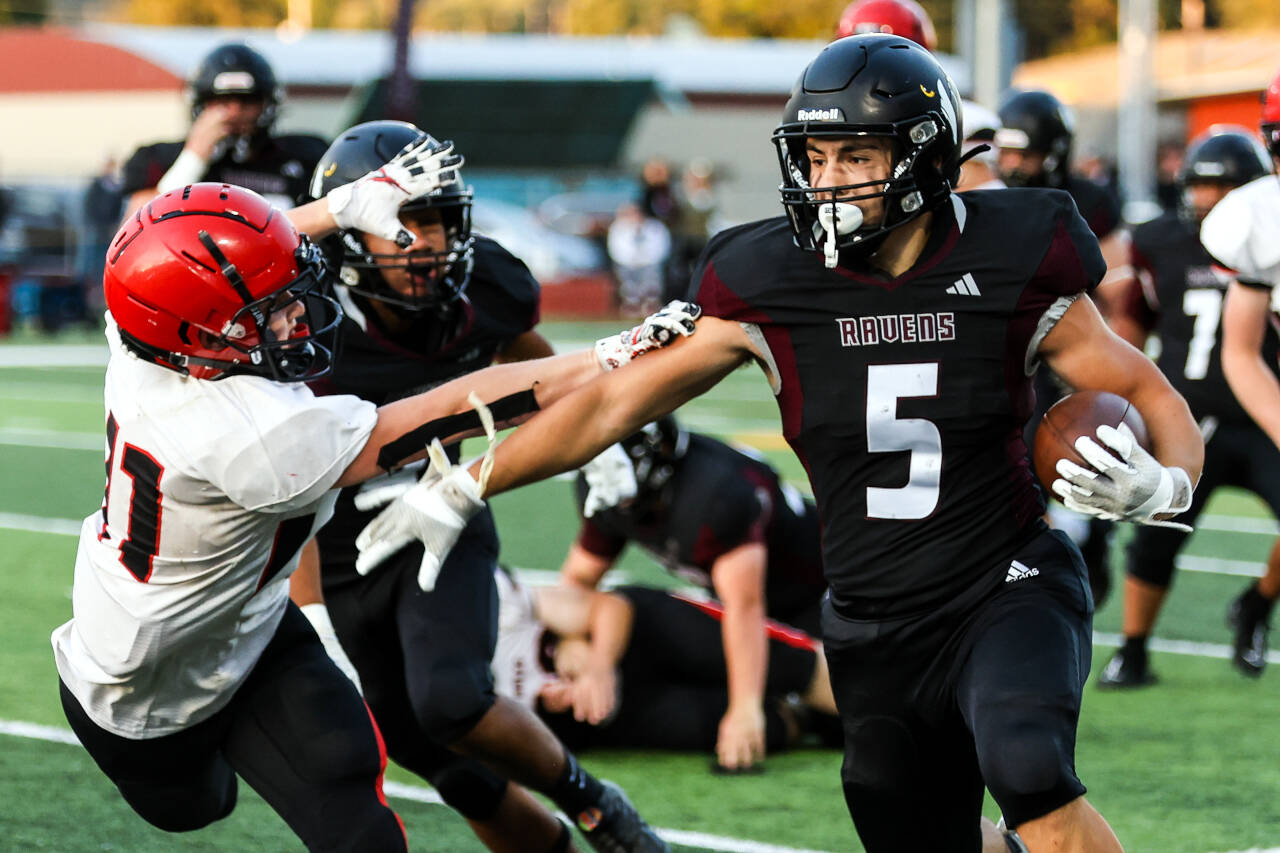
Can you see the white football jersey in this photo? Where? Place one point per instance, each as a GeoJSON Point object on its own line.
{"type": "Point", "coordinates": [517, 667]}
{"type": "Point", "coordinates": [181, 577]}
{"type": "Point", "coordinates": [1243, 230]}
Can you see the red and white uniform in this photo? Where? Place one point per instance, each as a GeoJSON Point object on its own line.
{"type": "Point", "coordinates": [518, 670]}
{"type": "Point", "coordinates": [181, 578]}
{"type": "Point", "coordinates": [1243, 232]}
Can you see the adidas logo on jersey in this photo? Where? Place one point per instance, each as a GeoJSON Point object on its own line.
{"type": "Point", "coordinates": [1018, 571]}
{"type": "Point", "coordinates": [965, 286]}
{"type": "Point", "coordinates": [896, 329]}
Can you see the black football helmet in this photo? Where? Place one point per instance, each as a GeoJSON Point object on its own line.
{"type": "Point", "coordinates": [869, 85]}
{"type": "Point", "coordinates": [236, 69]}
{"type": "Point", "coordinates": [1224, 154]}
{"type": "Point", "coordinates": [655, 451]}
{"type": "Point", "coordinates": [1038, 122]}
{"type": "Point", "coordinates": [445, 274]}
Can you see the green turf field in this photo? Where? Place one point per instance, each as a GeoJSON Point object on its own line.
{"type": "Point", "coordinates": [1190, 766]}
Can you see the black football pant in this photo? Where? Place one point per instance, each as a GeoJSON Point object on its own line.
{"type": "Point", "coordinates": [423, 660]}
{"type": "Point", "coordinates": [296, 731]}
{"type": "Point", "coordinates": [674, 683]}
{"type": "Point", "coordinates": [984, 690]}
{"type": "Point", "coordinates": [1236, 455]}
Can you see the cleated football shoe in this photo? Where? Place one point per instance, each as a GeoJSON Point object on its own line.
{"type": "Point", "coordinates": [1126, 671]}
{"type": "Point", "coordinates": [1250, 628]}
{"type": "Point", "coordinates": [614, 826]}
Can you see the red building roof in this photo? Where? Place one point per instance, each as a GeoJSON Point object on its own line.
{"type": "Point", "coordinates": [53, 60]}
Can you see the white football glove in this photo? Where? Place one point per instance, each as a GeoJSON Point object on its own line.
{"type": "Point", "coordinates": [318, 615]}
{"type": "Point", "coordinates": [674, 320]}
{"type": "Point", "coordinates": [433, 511]}
{"type": "Point", "coordinates": [1125, 483]}
{"type": "Point", "coordinates": [372, 203]}
{"type": "Point", "coordinates": [611, 479]}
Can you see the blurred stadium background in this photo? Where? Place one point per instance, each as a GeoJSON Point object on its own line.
{"type": "Point", "coordinates": [558, 106]}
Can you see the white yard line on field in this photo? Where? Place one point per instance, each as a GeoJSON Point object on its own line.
{"type": "Point", "coordinates": [701, 840]}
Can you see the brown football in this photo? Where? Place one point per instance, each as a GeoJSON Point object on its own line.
{"type": "Point", "coordinates": [1075, 415]}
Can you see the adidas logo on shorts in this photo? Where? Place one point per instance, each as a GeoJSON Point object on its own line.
{"type": "Point", "coordinates": [1017, 572]}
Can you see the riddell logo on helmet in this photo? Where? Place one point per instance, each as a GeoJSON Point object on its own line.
{"type": "Point", "coordinates": [827, 114]}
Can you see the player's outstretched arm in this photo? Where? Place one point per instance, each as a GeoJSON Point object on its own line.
{"type": "Point", "coordinates": [1125, 482]}
{"type": "Point", "coordinates": [548, 379]}
{"type": "Point", "coordinates": [611, 407]}
{"type": "Point", "coordinates": [565, 436]}
{"type": "Point", "coordinates": [1244, 326]}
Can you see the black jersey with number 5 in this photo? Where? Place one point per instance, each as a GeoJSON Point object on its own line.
{"type": "Point", "coordinates": [1180, 299]}
{"type": "Point", "coordinates": [905, 397]}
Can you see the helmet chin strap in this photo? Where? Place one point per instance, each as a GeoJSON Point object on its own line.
{"type": "Point", "coordinates": [837, 218]}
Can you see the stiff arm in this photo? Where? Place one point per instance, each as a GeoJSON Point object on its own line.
{"type": "Point", "coordinates": [578, 427]}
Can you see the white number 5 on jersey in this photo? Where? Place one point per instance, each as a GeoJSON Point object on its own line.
{"type": "Point", "coordinates": [887, 433]}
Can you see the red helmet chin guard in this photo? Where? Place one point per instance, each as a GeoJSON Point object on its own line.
{"type": "Point", "coordinates": [193, 279]}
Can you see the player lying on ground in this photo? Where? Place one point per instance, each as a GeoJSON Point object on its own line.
{"type": "Point", "coordinates": [641, 667]}
{"type": "Point", "coordinates": [900, 326]}
{"type": "Point", "coordinates": [184, 663]}
{"type": "Point", "coordinates": [719, 518]}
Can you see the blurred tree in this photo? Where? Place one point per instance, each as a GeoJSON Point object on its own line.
{"type": "Point", "coordinates": [24, 12]}
{"type": "Point", "coordinates": [202, 13]}
{"type": "Point", "coordinates": [1246, 14]}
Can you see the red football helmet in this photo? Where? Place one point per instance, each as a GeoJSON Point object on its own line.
{"type": "Point", "coordinates": [194, 278]}
{"type": "Point", "coordinates": [904, 18]}
{"type": "Point", "coordinates": [1271, 117]}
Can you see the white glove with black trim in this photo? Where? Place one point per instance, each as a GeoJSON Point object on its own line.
{"type": "Point", "coordinates": [372, 203]}
{"type": "Point", "coordinates": [611, 479]}
{"type": "Point", "coordinates": [433, 511]}
{"type": "Point", "coordinates": [1125, 482]}
{"type": "Point", "coordinates": [673, 321]}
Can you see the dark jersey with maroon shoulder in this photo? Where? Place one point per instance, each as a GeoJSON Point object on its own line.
{"type": "Point", "coordinates": [279, 169]}
{"type": "Point", "coordinates": [1180, 297]}
{"type": "Point", "coordinates": [501, 303]}
{"type": "Point", "coordinates": [1099, 208]}
{"type": "Point", "coordinates": [717, 499]}
{"type": "Point", "coordinates": [905, 397]}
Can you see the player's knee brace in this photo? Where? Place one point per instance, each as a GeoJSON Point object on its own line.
{"type": "Point", "coordinates": [1029, 765]}
{"type": "Point", "coordinates": [454, 697]}
{"type": "Point", "coordinates": [471, 791]}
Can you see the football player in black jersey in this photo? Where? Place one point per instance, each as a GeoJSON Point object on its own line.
{"type": "Point", "coordinates": [1242, 233]}
{"type": "Point", "coordinates": [417, 315]}
{"type": "Point", "coordinates": [235, 99]}
{"type": "Point", "coordinates": [722, 520]}
{"type": "Point", "coordinates": [1178, 294]}
{"type": "Point", "coordinates": [900, 325]}
{"type": "Point", "coordinates": [1034, 144]}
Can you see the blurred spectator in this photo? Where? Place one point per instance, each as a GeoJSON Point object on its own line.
{"type": "Point", "coordinates": [103, 201]}
{"type": "Point", "coordinates": [639, 246]}
{"type": "Point", "coordinates": [692, 228]}
{"type": "Point", "coordinates": [1168, 165]}
{"type": "Point", "coordinates": [657, 196]}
